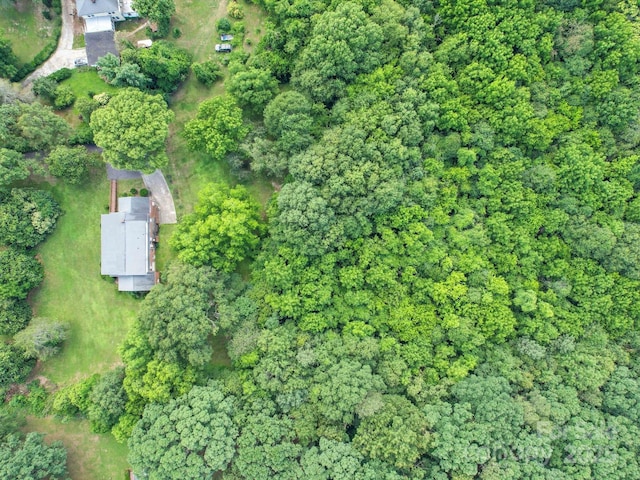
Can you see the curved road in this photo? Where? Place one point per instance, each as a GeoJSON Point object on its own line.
{"type": "Point", "coordinates": [64, 54]}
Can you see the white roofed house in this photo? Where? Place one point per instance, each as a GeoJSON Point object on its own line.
{"type": "Point", "coordinates": [99, 17]}
{"type": "Point", "coordinates": [128, 244]}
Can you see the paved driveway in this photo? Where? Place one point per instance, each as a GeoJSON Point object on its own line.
{"type": "Point", "coordinates": [64, 54]}
{"type": "Point", "coordinates": [160, 192]}
{"type": "Point", "coordinates": [155, 183]}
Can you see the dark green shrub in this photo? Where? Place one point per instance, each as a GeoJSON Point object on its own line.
{"type": "Point", "coordinates": [176, 32]}
{"type": "Point", "coordinates": [134, 191]}
{"type": "Point", "coordinates": [62, 74]}
{"type": "Point", "coordinates": [46, 14]}
{"type": "Point", "coordinates": [223, 25]}
{"type": "Point", "coordinates": [144, 192]}
{"type": "Point", "coordinates": [15, 314]}
{"type": "Point", "coordinates": [64, 97]}
{"type": "Point", "coordinates": [207, 72]}
{"type": "Point", "coordinates": [45, 87]}
{"type": "Point", "coordinates": [82, 135]}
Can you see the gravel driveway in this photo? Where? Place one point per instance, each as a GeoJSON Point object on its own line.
{"type": "Point", "coordinates": [64, 54]}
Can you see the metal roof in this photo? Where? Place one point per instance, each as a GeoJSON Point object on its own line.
{"type": "Point", "coordinates": [89, 7]}
{"type": "Point", "coordinates": [125, 239]}
{"type": "Point", "coordinates": [134, 205]}
{"type": "Point", "coordinates": [137, 283]}
{"type": "Point", "coordinates": [98, 24]}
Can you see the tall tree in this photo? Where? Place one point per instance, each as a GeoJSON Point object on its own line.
{"type": "Point", "coordinates": [31, 126]}
{"type": "Point", "coordinates": [27, 216]}
{"type": "Point", "coordinates": [15, 314]}
{"type": "Point", "coordinates": [32, 459]}
{"type": "Point", "coordinates": [42, 338]}
{"type": "Point", "coordinates": [155, 10]}
{"type": "Point", "coordinates": [253, 88]}
{"type": "Point", "coordinates": [12, 167]}
{"type": "Point", "coordinates": [343, 43]}
{"type": "Point", "coordinates": [223, 230]}
{"type": "Point", "coordinates": [70, 163]}
{"type": "Point", "coordinates": [191, 437]}
{"type": "Point", "coordinates": [177, 316]}
{"type": "Point", "coordinates": [217, 128]}
{"type": "Point", "coordinates": [132, 129]}
{"type": "Point", "coordinates": [108, 400]}
{"type": "Point", "coordinates": [8, 59]}
{"type": "Point", "coordinates": [19, 273]}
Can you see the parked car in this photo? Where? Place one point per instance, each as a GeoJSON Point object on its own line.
{"type": "Point", "coordinates": [226, 37]}
{"type": "Point", "coordinates": [80, 62]}
{"type": "Point", "coordinates": [223, 47]}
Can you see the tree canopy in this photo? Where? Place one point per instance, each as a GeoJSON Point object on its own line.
{"type": "Point", "coordinates": [217, 128]}
{"type": "Point", "coordinates": [223, 230]}
{"type": "Point", "coordinates": [32, 458]}
{"type": "Point", "coordinates": [27, 216]}
{"type": "Point", "coordinates": [447, 285]}
{"type": "Point", "coordinates": [132, 130]}
{"type": "Point", "coordinates": [190, 437]}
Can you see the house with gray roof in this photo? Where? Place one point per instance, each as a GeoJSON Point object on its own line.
{"type": "Point", "coordinates": [116, 10]}
{"type": "Point", "coordinates": [128, 239]}
{"type": "Point", "coordinates": [99, 17]}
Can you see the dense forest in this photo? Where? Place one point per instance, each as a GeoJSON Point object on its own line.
{"type": "Point", "coordinates": [448, 287]}
{"type": "Point", "coordinates": [446, 284]}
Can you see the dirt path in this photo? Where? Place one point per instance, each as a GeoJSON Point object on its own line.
{"type": "Point", "coordinates": [64, 54]}
{"type": "Point", "coordinates": [222, 9]}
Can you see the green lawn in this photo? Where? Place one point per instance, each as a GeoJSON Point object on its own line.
{"type": "Point", "coordinates": [84, 81]}
{"type": "Point", "coordinates": [73, 290]}
{"type": "Point", "coordinates": [23, 24]}
{"type": "Point", "coordinates": [89, 455]}
{"type": "Point", "coordinates": [79, 41]}
{"type": "Point", "coordinates": [189, 171]}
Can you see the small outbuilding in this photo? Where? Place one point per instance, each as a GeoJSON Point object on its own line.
{"type": "Point", "coordinates": [146, 43]}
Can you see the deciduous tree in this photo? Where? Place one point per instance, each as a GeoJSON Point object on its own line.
{"type": "Point", "coordinates": [223, 230]}
{"type": "Point", "coordinates": [42, 339]}
{"type": "Point", "coordinates": [191, 437]}
{"type": "Point", "coordinates": [31, 458]}
{"type": "Point", "coordinates": [217, 128]}
{"type": "Point", "coordinates": [19, 273]}
{"type": "Point", "coordinates": [27, 216]}
{"type": "Point", "coordinates": [253, 88]}
{"type": "Point", "coordinates": [13, 167]}
{"type": "Point", "coordinates": [132, 129]}
{"type": "Point", "coordinates": [70, 163]}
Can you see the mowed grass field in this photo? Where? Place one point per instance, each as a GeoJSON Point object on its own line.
{"type": "Point", "coordinates": [74, 291]}
{"type": "Point", "coordinates": [189, 171]}
{"type": "Point", "coordinates": [98, 316]}
{"type": "Point", "coordinates": [23, 24]}
{"type": "Point", "coordinates": [89, 456]}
